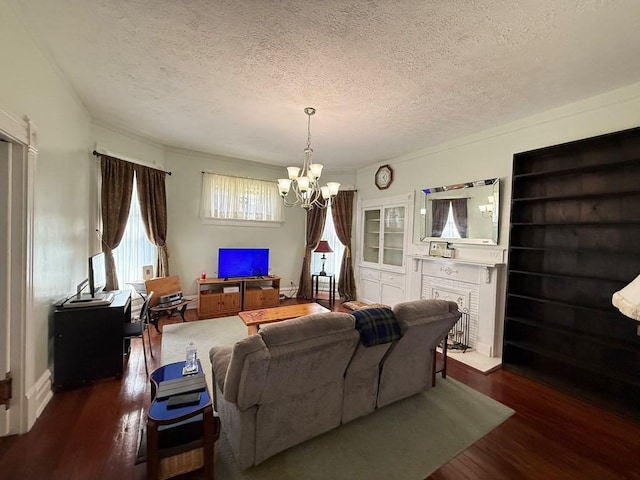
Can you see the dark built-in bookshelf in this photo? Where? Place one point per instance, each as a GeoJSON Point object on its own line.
{"type": "Point", "coordinates": [574, 241]}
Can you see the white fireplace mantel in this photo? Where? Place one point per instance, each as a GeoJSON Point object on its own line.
{"type": "Point", "coordinates": [448, 269]}
{"type": "Point", "coordinates": [476, 278]}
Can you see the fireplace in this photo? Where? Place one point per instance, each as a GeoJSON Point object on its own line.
{"type": "Point", "coordinates": [476, 286]}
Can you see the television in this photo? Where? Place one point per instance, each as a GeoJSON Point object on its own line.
{"type": "Point", "coordinates": [97, 274]}
{"type": "Point", "coordinates": [243, 262]}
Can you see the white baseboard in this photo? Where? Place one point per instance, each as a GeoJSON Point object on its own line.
{"type": "Point", "coordinates": [38, 398]}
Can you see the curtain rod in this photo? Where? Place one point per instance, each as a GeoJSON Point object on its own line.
{"type": "Point", "coordinates": [262, 179]}
{"type": "Point", "coordinates": [445, 198]}
{"type": "Point", "coordinates": [97, 154]}
{"type": "Point", "coordinates": [232, 176]}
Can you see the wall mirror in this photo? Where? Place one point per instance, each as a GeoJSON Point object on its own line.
{"type": "Point", "coordinates": [463, 213]}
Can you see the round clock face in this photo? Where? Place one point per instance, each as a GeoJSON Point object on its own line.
{"type": "Point", "coordinates": [384, 177]}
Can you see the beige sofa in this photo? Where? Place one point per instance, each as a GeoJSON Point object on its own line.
{"type": "Point", "coordinates": [299, 378]}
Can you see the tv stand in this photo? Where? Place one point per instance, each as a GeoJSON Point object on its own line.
{"type": "Point", "coordinates": [218, 296]}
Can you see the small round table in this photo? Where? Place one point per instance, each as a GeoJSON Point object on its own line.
{"type": "Point", "coordinates": [181, 439]}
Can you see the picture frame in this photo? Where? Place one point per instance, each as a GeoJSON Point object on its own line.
{"type": "Point", "coordinates": [147, 272]}
{"type": "Point", "coordinates": [437, 249]}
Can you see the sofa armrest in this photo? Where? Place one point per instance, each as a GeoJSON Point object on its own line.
{"type": "Point", "coordinates": [220, 357]}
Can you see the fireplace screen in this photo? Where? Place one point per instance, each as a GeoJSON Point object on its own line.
{"type": "Point", "coordinates": [458, 337]}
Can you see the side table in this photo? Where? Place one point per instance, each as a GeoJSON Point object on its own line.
{"type": "Point", "coordinates": [179, 440]}
{"type": "Point", "coordinates": [441, 366]}
{"type": "Point", "coordinates": [315, 280]}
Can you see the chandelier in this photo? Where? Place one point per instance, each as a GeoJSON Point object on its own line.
{"type": "Point", "coordinates": [305, 185]}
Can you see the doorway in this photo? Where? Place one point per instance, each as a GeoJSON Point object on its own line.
{"type": "Point", "coordinates": [17, 163]}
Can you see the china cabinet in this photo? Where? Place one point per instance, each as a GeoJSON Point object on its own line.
{"type": "Point", "coordinates": [384, 226]}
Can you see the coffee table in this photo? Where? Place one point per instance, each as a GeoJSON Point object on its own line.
{"type": "Point", "coordinates": [254, 318]}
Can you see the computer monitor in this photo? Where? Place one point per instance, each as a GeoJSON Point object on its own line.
{"type": "Point", "coordinates": [97, 273]}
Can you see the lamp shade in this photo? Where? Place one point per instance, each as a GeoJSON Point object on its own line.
{"type": "Point", "coordinates": [323, 247]}
{"type": "Point", "coordinates": [627, 300]}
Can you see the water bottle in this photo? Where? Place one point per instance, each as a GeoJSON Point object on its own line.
{"type": "Point", "coordinates": [191, 364]}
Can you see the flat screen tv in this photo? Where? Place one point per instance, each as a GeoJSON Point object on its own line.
{"type": "Point", "coordinates": [97, 274]}
{"type": "Point", "coordinates": [243, 262]}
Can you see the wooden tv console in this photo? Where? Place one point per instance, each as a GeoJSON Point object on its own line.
{"type": "Point", "coordinates": [217, 296]}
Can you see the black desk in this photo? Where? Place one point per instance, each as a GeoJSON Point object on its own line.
{"type": "Point", "coordinates": [87, 342]}
{"type": "Point", "coordinates": [315, 280]}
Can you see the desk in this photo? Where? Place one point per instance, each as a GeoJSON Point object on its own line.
{"type": "Point", "coordinates": [315, 280]}
{"type": "Point", "coordinates": [88, 343]}
{"type": "Point", "coordinates": [158, 311]}
{"type": "Point", "coordinates": [187, 434]}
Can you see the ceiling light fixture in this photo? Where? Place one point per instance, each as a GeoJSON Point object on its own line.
{"type": "Point", "coordinates": [306, 186]}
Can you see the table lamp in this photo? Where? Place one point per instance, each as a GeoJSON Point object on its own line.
{"type": "Point", "coordinates": [323, 247]}
{"type": "Point", "coordinates": [627, 300]}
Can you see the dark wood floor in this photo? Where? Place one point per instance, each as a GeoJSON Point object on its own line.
{"type": "Point", "coordinates": [92, 433]}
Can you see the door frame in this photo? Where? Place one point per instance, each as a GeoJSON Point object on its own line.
{"type": "Point", "coordinates": [16, 295]}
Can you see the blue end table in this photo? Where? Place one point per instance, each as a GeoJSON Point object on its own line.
{"type": "Point", "coordinates": [182, 439]}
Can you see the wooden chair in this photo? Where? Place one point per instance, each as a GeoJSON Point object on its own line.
{"type": "Point", "coordinates": [136, 328]}
{"type": "Point", "coordinates": [165, 286]}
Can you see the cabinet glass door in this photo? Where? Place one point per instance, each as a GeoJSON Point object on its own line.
{"type": "Point", "coordinates": [371, 241]}
{"type": "Point", "coordinates": [393, 236]}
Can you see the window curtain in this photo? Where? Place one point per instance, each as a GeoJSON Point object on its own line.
{"type": "Point", "coordinates": [236, 198]}
{"type": "Point", "coordinates": [152, 196]}
{"type": "Point", "coordinates": [135, 249]}
{"type": "Point", "coordinates": [117, 184]}
{"type": "Point", "coordinates": [439, 216]}
{"type": "Point", "coordinates": [459, 207]}
{"type": "Point", "coordinates": [342, 212]}
{"type": "Point", "coordinates": [315, 224]}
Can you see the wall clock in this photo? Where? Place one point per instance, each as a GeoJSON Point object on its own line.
{"type": "Point", "coordinates": [384, 177]}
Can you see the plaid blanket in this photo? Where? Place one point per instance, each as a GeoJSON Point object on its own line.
{"type": "Point", "coordinates": [376, 325]}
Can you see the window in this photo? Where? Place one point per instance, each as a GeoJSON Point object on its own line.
{"type": "Point", "coordinates": [135, 249]}
{"type": "Point", "coordinates": [226, 198]}
{"type": "Point", "coordinates": [334, 260]}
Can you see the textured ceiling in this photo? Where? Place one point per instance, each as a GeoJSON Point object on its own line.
{"type": "Point", "coordinates": [232, 77]}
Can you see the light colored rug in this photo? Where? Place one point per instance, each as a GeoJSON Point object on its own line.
{"type": "Point", "coordinates": [407, 440]}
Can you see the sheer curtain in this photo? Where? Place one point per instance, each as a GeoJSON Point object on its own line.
{"type": "Point", "coordinates": [235, 198]}
{"type": "Point", "coordinates": [135, 249]}
{"type": "Point", "coordinates": [332, 264]}
{"type": "Point", "coordinates": [450, 229]}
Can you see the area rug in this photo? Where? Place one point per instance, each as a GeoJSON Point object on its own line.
{"type": "Point", "coordinates": [407, 440]}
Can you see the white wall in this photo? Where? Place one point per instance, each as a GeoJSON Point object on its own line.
{"type": "Point", "coordinates": [29, 85]}
{"type": "Point", "coordinates": [194, 245]}
{"type": "Point", "coordinates": [490, 153]}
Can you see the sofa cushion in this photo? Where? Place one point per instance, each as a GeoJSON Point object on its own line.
{"type": "Point", "coordinates": [306, 328]}
{"type": "Point", "coordinates": [416, 310]}
{"type": "Point", "coordinates": [357, 305]}
{"type": "Point", "coordinates": [376, 326]}
{"type": "Point", "coordinates": [249, 358]}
